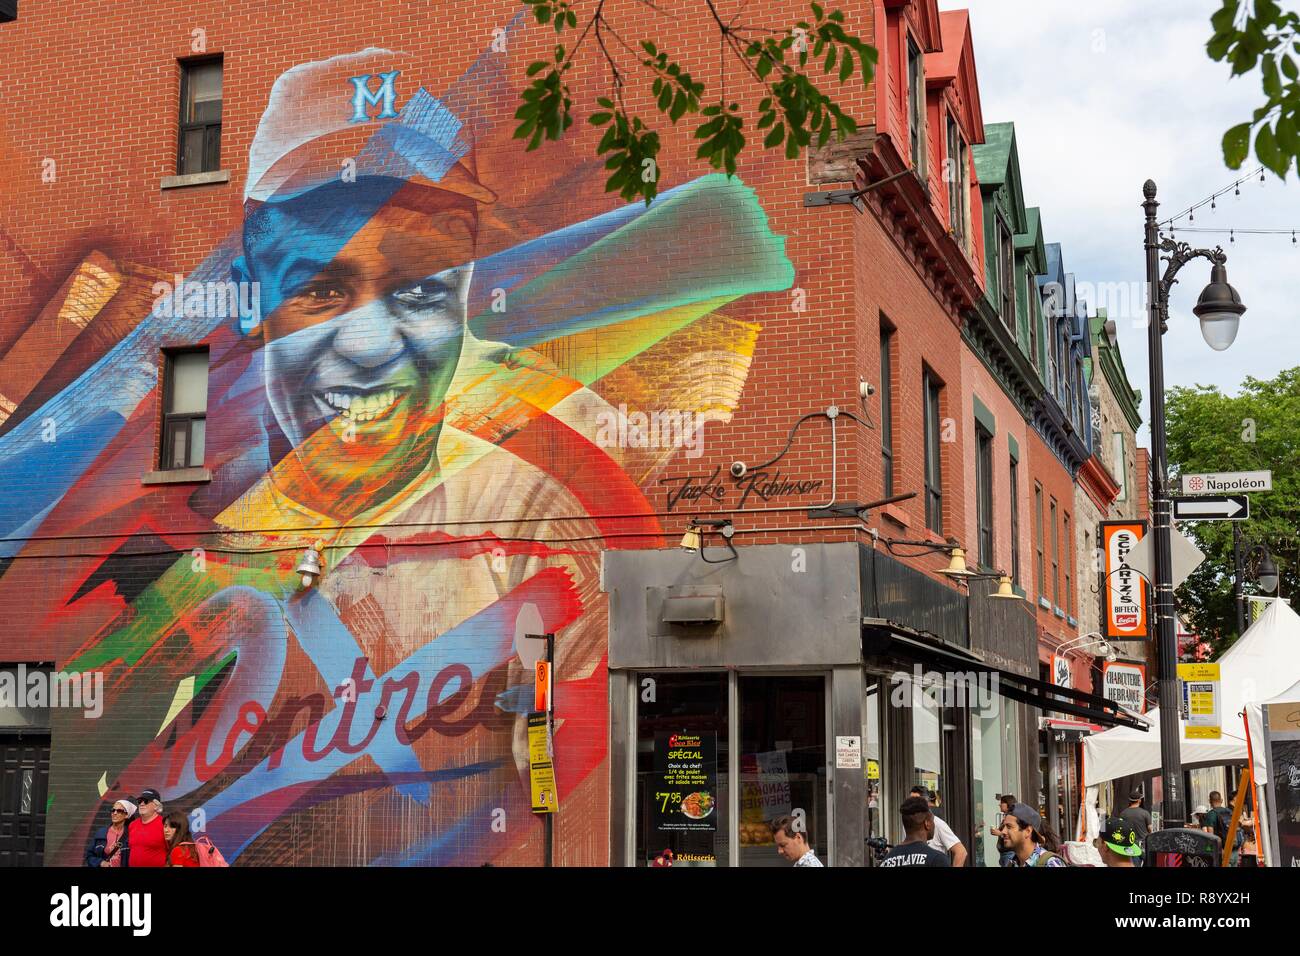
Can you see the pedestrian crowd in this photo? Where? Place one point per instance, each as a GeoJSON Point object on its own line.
{"type": "Point", "coordinates": [141, 834]}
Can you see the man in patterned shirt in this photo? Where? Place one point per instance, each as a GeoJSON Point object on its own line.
{"type": "Point", "coordinates": [1022, 829]}
{"type": "Point", "coordinates": [792, 842]}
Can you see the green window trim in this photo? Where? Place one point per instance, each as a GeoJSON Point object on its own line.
{"type": "Point", "coordinates": [985, 417]}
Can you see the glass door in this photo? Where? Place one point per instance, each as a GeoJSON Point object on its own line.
{"type": "Point", "coordinates": [683, 751]}
{"type": "Point", "coordinates": [783, 763]}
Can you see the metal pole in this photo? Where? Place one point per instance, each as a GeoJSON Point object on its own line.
{"type": "Point", "coordinates": [1238, 575]}
{"type": "Point", "coordinates": [1171, 768]}
{"type": "Point", "coordinates": [549, 822]}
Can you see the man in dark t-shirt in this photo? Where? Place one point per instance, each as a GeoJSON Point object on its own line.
{"type": "Point", "coordinates": [918, 824]}
{"type": "Point", "coordinates": [1136, 817]}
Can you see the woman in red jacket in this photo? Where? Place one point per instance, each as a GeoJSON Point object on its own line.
{"type": "Point", "coordinates": [180, 843]}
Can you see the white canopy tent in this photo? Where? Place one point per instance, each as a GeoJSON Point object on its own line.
{"type": "Point", "coordinates": [1263, 663]}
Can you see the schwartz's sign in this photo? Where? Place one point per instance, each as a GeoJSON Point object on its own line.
{"type": "Point", "coordinates": [1124, 604]}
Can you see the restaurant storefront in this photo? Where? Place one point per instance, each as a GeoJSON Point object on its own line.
{"type": "Point", "coordinates": [813, 681]}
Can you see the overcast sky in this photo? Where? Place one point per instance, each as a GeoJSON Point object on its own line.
{"type": "Point", "coordinates": [1106, 94]}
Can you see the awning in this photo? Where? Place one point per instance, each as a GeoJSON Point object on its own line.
{"type": "Point", "coordinates": [1062, 725]}
{"type": "Point", "coordinates": [882, 636]}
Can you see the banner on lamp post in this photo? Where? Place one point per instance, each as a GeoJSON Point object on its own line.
{"type": "Point", "coordinates": [1124, 603]}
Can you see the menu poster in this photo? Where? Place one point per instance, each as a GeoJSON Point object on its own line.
{"type": "Point", "coordinates": [685, 782]}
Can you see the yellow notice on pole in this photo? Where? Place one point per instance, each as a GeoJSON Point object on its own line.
{"type": "Point", "coordinates": [1200, 701]}
{"type": "Point", "coordinates": [541, 767]}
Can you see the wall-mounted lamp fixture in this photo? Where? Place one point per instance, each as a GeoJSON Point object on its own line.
{"type": "Point", "coordinates": [693, 538]}
{"type": "Point", "coordinates": [311, 566]}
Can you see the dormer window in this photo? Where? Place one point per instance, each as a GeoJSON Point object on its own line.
{"type": "Point", "coordinates": [957, 175]}
{"type": "Point", "coordinates": [1006, 276]}
{"type": "Point", "coordinates": [916, 107]}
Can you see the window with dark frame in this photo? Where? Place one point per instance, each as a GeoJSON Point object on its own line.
{"type": "Point", "coordinates": [1007, 277]}
{"type": "Point", "coordinates": [1015, 522]}
{"type": "Point", "coordinates": [1038, 537]}
{"type": "Point", "coordinates": [887, 410]}
{"type": "Point", "coordinates": [1069, 565]}
{"type": "Point", "coordinates": [185, 408]}
{"type": "Point", "coordinates": [915, 106]}
{"type": "Point", "coordinates": [958, 181]}
{"type": "Point", "coordinates": [199, 150]}
{"type": "Point", "coordinates": [1034, 319]}
{"type": "Point", "coordinates": [933, 464]}
{"type": "Point", "coordinates": [984, 494]}
{"type": "Point", "coordinates": [1056, 555]}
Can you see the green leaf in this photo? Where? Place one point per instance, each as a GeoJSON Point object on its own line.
{"type": "Point", "coordinates": [1236, 145]}
{"type": "Point", "coordinates": [763, 67]}
{"type": "Point", "coordinates": [680, 102]}
{"type": "Point", "coordinates": [1289, 67]}
{"type": "Point", "coordinates": [830, 59]}
{"type": "Point", "coordinates": [606, 102]}
{"type": "Point", "coordinates": [846, 68]}
{"type": "Point", "coordinates": [1219, 44]}
{"type": "Point", "coordinates": [1285, 133]}
{"type": "Point", "coordinates": [817, 10]}
{"type": "Point", "coordinates": [1272, 80]}
{"type": "Point", "coordinates": [649, 47]}
{"type": "Point", "coordinates": [1268, 153]}
{"type": "Point", "coordinates": [666, 98]}
{"type": "Point", "coordinates": [1243, 60]}
{"type": "Point", "coordinates": [599, 119]}
{"type": "Point", "coordinates": [543, 14]}
{"type": "Point", "coordinates": [1224, 18]}
{"type": "Point", "coordinates": [774, 137]}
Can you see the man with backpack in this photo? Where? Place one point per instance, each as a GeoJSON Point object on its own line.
{"type": "Point", "coordinates": [1219, 820]}
{"type": "Point", "coordinates": [1022, 829]}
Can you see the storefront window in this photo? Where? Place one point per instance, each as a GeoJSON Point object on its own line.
{"type": "Point", "coordinates": [872, 754]}
{"type": "Point", "coordinates": [988, 780]}
{"type": "Point", "coordinates": [782, 763]}
{"type": "Point", "coordinates": [681, 770]}
{"type": "Point", "coordinates": [927, 749]}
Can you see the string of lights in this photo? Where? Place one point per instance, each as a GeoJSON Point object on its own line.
{"type": "Point", "coordinates": [1212, 199]}
{"type": "Point", "coordinates": [1233, 232]}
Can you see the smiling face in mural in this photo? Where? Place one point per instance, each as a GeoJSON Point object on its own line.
{"type": "Point", "coordinates": [364, 288]}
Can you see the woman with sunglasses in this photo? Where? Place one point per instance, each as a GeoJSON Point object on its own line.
{"type": "Point", "coordinates": [106, 849]}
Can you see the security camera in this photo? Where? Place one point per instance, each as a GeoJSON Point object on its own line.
{"type": "Point", "coordinates": [738, 469]}
{"type": "Point", "coordinates": [865, 389]}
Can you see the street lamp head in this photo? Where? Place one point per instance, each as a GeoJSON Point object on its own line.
{"type": "Point", "coordinates": [1219, 308]}
{"type": "Point", "coordinates": [1267, 576]}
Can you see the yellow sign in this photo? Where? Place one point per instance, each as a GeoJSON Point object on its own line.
{"type": "Point", "coordinates": [541, 768]}
{"type": "Point", "coordinates": [1200, 705]}
{"type": "Point", "coordinates": [873, 770]}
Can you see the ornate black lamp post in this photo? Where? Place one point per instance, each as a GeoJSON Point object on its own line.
{"type": "Point", "coordinates": [1219, 309]}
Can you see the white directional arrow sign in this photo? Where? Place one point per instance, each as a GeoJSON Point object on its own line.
{"type": "Point", "coordinates": [1212, 508]}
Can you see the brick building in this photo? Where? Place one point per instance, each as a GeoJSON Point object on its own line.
{"type": "Point", "coordinates": [301, 300]}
